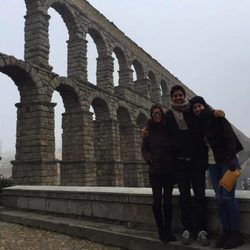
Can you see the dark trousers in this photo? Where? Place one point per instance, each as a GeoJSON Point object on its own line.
{"type": "Point", "coordinates": [192, 174]}
{"type": "Point", "coordinates": [162, 188]}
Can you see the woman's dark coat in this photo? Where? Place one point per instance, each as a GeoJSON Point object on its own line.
{"type": "Point", "coordinates": [222, 139]}
{"type": "Point", "coordinates": [156, 149]}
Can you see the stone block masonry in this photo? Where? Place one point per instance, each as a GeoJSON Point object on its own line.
{"type": "Point", "coordinates": [100, 149]}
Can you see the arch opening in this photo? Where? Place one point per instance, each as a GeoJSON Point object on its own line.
{"type": "Point", "coordinates": [165, 94]}
{"type": "Point", "coordinates": [116, 70]}
{"type": "Point", "coordinates": [138, 70]}
{"type": "Point", "coordinates": [125, 124]}
{"type": "Point", "coordinates": [58, 36]}
{"type": "Point", "coordinates": [92, 56]}
{"type": "Point", "coordinates": [8, 119]}
{"type": "Point", "coordinates": [101, 129]}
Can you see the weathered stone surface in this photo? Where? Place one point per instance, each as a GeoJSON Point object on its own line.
{"type": "Point", "coordinates": [130, 207]}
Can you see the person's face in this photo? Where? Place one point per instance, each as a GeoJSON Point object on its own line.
{"type": "Point", "coordinates": [178, 97]}
{"type": "Point", "coordinates": [157, 115]}
{"type": "Point", "coordinates": [198, 108]}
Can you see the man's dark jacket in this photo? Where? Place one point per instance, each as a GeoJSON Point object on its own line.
{"type": "Point", "coordinates": [187, 144]}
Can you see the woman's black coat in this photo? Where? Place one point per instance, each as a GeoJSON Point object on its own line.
{"type": "Point", "coordinates": [222, 139]}
{"type": "Point", "coordinates": [156, 149]}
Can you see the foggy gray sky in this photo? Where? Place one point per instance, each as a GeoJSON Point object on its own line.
{"type": "Point", "coordinates": [206, 44]}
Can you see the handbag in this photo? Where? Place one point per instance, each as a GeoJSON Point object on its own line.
{"type": "Point", "coordinates": [229, 178]}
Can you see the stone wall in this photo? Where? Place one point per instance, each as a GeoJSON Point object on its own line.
{"type": "Point", "coordinates": [118, 205]}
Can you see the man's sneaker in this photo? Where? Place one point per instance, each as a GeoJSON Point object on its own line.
{"type": "Point", "coordinates": [186, 238]}
{"type": "Point", "coordinates": [202, 238]}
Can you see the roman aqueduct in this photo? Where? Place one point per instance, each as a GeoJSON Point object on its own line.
{"type": "Point", "coordinates": [101, 151]}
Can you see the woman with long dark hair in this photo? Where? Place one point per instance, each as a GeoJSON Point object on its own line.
{"type": "Point", "coordinates": [156, 151]}
{"type": "Point", "coordinates": [222, 148]}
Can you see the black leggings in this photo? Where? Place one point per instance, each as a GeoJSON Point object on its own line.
{"type": "Point", "coordinates": [162, 188]}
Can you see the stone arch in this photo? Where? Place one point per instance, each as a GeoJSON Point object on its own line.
{"type": "Point", "coordinates": [125, 72]}
{"type": "Point", "coordinates": [120, 56]}
{"type": "Point", "coordinates": [77, 45]}
{"type": "Point", "coordinates": [33, 136]}
{"type": "Point", "coordinates": [24, 76]}
{"type": "Point", "coordinates": [39, 34]}
{"type": "Point", "coordinates": [69, 97]}
{"type": "Point", "coordinates": [68, 16]}
{"type": "Point", "coordinates": [96, 95]}
{"type": "Point", "coordinates": [142, 84]}
{"type": "Point", "coordinates": [105, 140]}
{"type": "Point", "coordinates": [69, 91]}
{"type": "Point", "coordinates": [104, 66]}
{"type": "Point", "coordinates": [100, 127]}
{"type": "Point", "coordinates": [138, 69]}
{"type": "Point", "coordinates": [154, 88]}
{"type": "Point", "coordinates": [141, 119]}
{"type": "Point", "coordinates": [98, 40]}
{"type": "Point", "coordinates": [124, 121]}
{"type": "Point", "coordinates": [165, 93]}
{"type": "Point", "coordinates": [104, 63]}
{"type": "Point", "coordinates": [121, 105]}
{"type": "Point", "coordinates": [72, 119]}
{"type": "Point", "coordinates": [129, 150]}
{"type": "Point", "coordinates": [123, 115]}
{"type": "Point", "coordinates": [101, 109]}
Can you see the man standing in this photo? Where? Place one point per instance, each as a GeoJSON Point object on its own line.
{"type": "Point", "coordinates": [189, 165]}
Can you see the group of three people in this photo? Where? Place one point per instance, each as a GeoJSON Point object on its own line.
{"type": "Point", "coordinates": [179, 146]}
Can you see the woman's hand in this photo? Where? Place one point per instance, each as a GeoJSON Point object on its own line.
{"type": "Point", "coordinates": [218, 113]}
{"type": "Point", "coordinates": [231, 165]}
{"type": "Point", "coordinates": [144, 132]}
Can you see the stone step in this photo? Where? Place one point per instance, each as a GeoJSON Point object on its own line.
{"type": "Point", "coordinates": [98, 231]}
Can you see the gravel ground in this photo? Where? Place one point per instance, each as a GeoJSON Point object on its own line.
{"type": "Point", "coordinates": [17, 237]}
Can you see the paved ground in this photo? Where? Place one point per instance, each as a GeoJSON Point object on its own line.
{"type": "Point", "coordinates": [17, 237]}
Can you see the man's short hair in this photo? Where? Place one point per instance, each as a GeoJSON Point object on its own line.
{"type": "Point", "coordinates": [177, 87]}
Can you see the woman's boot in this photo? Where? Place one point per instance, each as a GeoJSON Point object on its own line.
{"type": "Point", "coordinates": [234, 240]}
{"type": "Point", "coordinates": [167, 208]}
{"type": "Point", "coordinates": [224, 237]}
{"type": "Point", "coordinates": [157, 212]}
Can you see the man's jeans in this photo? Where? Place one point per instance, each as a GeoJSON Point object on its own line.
{"type": "Point", "coordinates": [192, 174]}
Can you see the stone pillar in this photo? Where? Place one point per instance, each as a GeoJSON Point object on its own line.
{"type": "Point", "coordinates": [133, 170]}
{"type": "Point", "coordinates": [143, 87]}
{"type": "Point", "coordinates": [104, 75]}
{"type": "Point", "coordinates": [156, 93]}
{"type": "Point", "coordinates": [78, 167]}
{"type": "Point", "coordinates": [126, 78]}
{"type": "Point", "coordinates": [107, 153]}
{"type": "Point", "coordinates": [166, 100]}
{"type": "Point", "coordinates": [35, 162]}
{"type": "Point", "coordinates": [141, 179]}
{"type": "Point", "coordinates": [36, 48]}
{"type": "Point", "coordinates": [77, 58]}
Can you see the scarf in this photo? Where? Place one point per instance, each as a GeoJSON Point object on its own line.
{"type": "Point", "coordinates": [178, 110]}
